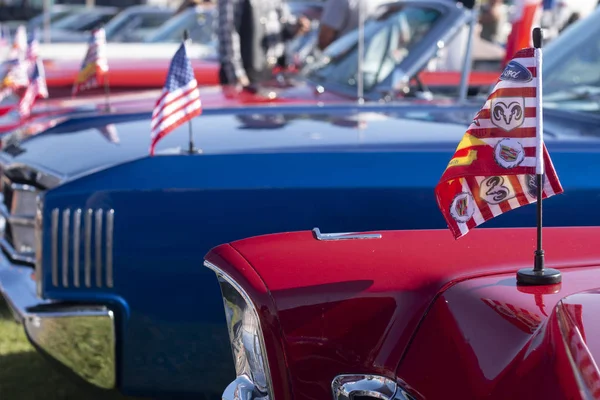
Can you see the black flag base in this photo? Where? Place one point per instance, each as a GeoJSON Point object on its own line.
{"type": "Point", "coordinates": [530, 277]}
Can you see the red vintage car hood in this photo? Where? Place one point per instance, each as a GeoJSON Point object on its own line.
{"type": "Point", "coordinates": [129, 73]}
{"type": "Point", "coordinates": [355, 305]}
{"type": "Point", "coordinates": [504, 341]}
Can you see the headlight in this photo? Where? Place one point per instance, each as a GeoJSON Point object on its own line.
{"type": "Point", "coordinates": [247, 342]}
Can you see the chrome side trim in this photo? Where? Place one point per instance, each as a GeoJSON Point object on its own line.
{"type": "Point", "coordinates": [76, 245]}
{"type": "Point", "coordinates": [98, 237]}
{"type": "Point", "coordinates": [110, 220]}
{"type": "Point", "coordinates": [65, 246]}
{"type": "Point", "coordinates": [54, 233]}
{"type": "Point", "coordinates": [347, 387]}
{"type": "Point", "coordinates": [97, 243]}
{"type": "Point", "coordinates": [14, 254]}
{"type": "Point", "coordinates": [39, 229]}
{"type": "Point", "coordinates": [88, 248]}
{"type": "Point", "coordinates": [54, 328]}
{"type": "Point", "coordinates": [252, 307]}
{"type": "Point", "coordinates": [344, 236]}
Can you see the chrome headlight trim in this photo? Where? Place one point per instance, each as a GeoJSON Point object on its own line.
{"type": "Point", "coordinates": [348, 386]}
{"type": "Point", "coordinates": [246, 336]}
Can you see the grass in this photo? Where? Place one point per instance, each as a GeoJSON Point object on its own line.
{"type": "Point", "coordinates": [26, 375]}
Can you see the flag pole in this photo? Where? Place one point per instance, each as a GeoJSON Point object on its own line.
{"type": "Point", "coordinates": [538, 275]}
{"type": "Point", "coordinates": [105, 79]}
{"type": "Point", "coordinates": [107, 91]}
{"type": "Point", "coordinates": [192, 149]}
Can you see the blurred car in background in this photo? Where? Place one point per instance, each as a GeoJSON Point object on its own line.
{"type": "Point", "coordinates": [396, 66]}
{"type": "Point", "coordinates": [136, 22]}
{"type": "Point", "coordinates": [77, 25]}
{"type": "Point", "coordinates": [198, 21]}
{"type": "Point", "coordinates": [57, 12]}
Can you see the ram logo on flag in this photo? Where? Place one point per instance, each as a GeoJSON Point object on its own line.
{"type": "Point", "coordinates": [493, 168]}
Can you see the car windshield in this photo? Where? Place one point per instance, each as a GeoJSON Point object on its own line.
{"type": "Point", "coordinates": [136, 24]}
{"type": "Point", "coordinates": [55, 16]}
{"type": "Point", "coordinates": [388, 40]}
{"type": "Point", "coordinates": [572, 67]}
{"type": "Point", "coordinates": [197, 21]}
{"type": "Point", "coordinates": [84, 20]}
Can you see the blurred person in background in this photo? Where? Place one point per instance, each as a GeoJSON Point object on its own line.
{"type": "Point", "coordinates": [341, 16]}
{"type": "Point", "coordinates": [526, 15]}
{"type": "Point", "coordinates": [492, 18]}
{"type": "Point", "coordinates": [252, 39]}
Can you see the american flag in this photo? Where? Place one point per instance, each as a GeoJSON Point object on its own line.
{"type": "Point", "coordinates": [494, 167]}
{"type": "Point", "coordinates": [17, 77]}
{"type": "Point", "coordinates": [180, 99]}
{"type": "Point", "coordinates": [19, 46]}
{"type": "Point", "coordinates": [36, 89]}
{"type": "Point", "coordinates": [95, 65]}
{"type": "Point", "coordinates": [33, 46]}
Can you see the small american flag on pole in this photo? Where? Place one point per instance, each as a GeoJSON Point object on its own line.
{"type": "Point", "coordinates": [180, 99]}
{"type": "Point", "coordinates": [19, 46]}
{"type": "Point", "coordinates": [36, 89]}
{"type": "Point", "coordinates": [95, 65]}
{"type": "Point", "coordinates": [33, 46]}
{"type": "Point", "coordinates": [16, 78]}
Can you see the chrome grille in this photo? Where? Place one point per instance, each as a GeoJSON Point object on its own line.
{"type": "Point", "coordinates": [76, 232]}
{"type": "Point", "coordinates": [18, 209]}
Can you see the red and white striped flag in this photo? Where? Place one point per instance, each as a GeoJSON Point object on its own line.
{"type": "Point", "coordinates": [37, 89]}
{"type": "Point", "coordinates": [494, 167]}
{"type": "Point", "coordinates": [19, 46]}
{"type": "Point", "coordinates": [95, 65]}
{"type": "Point", "coordinates": [180, 99]}
{"type": "Point", "coordinates": [16, 78]}
{"type": "Point", "coordinates": [33, 46]}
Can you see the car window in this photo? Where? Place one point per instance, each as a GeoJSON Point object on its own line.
{"type": "Point", "coordinates": [126, 25]}
{"type": "Point", "coordinates": [94, 22]}
{"type": "Point", "coordinates": [388, 40]}
{"type": "Point", "coordinates": [572, 66]}
{"type": "Point", "coordinates": [82, 21]}
{"type": "Point", "coordinates": [199, 25]}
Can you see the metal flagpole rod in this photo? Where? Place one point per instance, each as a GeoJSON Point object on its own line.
{"type": "Point", "coordinates": [191, 149]}
{"type": "Point", "coordinates": [361, 51]}
{"type": "Point", "coordinates": [468, 60]}
{"type": "Point", "coordinates": [538, 275]}
{"type": "Point", "coordinates": [47, 7]}
{"type": "Point", "coordinates": [106, 80]}
{"type": "Point", "coordinates": [107, 91]}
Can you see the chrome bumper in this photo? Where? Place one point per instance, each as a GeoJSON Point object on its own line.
{"type": "Point", "coordinates": [82, 337]}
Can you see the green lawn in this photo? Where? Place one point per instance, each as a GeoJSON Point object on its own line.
{"type": "Point", "coordinates": [26, 375]}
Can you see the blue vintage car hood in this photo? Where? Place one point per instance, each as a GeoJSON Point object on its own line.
{"type": "Point", "coordinates": [81, 146]}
